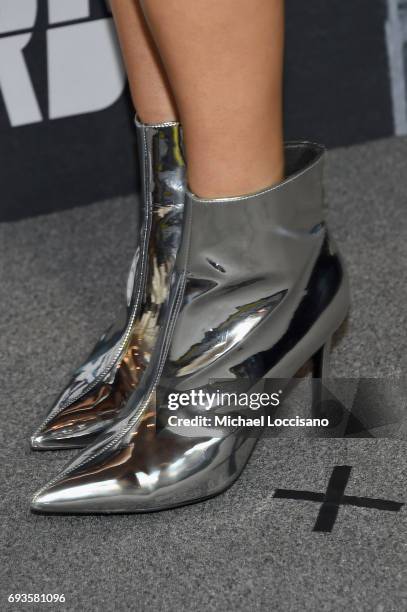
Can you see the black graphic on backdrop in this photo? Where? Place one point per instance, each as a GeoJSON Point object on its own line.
{"type": "Point", "coordinates": [69, 152]}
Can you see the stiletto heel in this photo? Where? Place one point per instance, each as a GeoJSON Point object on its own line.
{"type": "Point", "coordinates": [321, 361]}
{"type": "Point", "coordinates": [324, 405]}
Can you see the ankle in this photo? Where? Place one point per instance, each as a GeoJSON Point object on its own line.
{"type": "Point", "coordinates": [235, 180]}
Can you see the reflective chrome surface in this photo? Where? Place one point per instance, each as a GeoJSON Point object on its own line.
{"type": "Point", "coordinates": [100, 387]}
{"type": "Point", "coordinates": [258, 288]}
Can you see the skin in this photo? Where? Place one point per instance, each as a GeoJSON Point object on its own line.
{"type": "Point", "coordinates": [151, 94]}
{"type": "Point", "coordinates": [223, 62]}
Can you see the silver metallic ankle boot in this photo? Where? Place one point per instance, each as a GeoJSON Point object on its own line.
{"type": "Point", "coordinates": [99, 388]}
{"type": "Point", "coordinates": [258, 289]}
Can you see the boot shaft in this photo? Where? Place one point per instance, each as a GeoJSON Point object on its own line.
{"type": "Point", "coordinates": [226, 232]}
{"type": "Point", "coordinates": [259, 267]}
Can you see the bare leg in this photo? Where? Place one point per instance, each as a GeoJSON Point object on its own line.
{"type": "Point", "coordinates": [149, 87]}
{"type": "Point", "coordinates": [224, 62]}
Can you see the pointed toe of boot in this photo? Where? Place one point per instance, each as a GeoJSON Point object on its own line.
{"type": "Point", "coordinates": [96, 482]}
{"type": "Point", "coordinates": [75, 495]}
{"type": "Point", "coordinates": [47, 501]}
{"type": "Point", "coordinates": [84, 497]}
{"type": "Point", "coordinates": [76, 425]}
{"type": "Point", "coordinates": [52, 436]}
{"type": "Point", "coordinates": [67, 498]}
{"type": "Point", "coordinates": [45, 442]}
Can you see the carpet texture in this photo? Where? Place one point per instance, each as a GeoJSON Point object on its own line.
{"type": "Point", "coordinates": [61, 277]}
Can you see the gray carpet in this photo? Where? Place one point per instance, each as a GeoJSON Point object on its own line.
{"type": "Point", "coordinates": [61, 277]}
